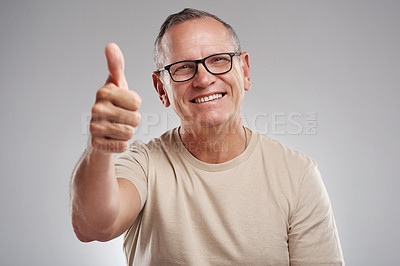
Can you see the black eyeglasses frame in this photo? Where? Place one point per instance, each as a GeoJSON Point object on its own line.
{"type": "Point", "coordinates": [197, 63]}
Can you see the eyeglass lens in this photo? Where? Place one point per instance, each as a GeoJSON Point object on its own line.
{"type": "Point", "coordinates": [216, 64]}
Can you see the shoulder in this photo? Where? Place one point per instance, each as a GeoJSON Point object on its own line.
{"type": "Point", "coordinates": [281, 154]}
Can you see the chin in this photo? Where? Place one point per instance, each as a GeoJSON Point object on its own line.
{"type": "Point", "coordinates": [213, 121]}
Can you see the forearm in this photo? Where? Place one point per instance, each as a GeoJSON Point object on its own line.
{"type": "Point", "coordinates": [99, 211]}
{"type": "Point", "coordinates": [94, 195]}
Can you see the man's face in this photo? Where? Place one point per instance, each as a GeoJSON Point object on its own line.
{"type": "Point", "coordinates": [197, 39]}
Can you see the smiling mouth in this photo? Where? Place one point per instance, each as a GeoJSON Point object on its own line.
{"type": "Point", "coordinates": [208, 98]}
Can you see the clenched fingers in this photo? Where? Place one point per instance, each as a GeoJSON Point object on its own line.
{"type": "Point", "coordinates": [123, 98]}
{"type": "Point", "coordinates": [108, 111]}
{"type": "Point", "coordinates": [111, 131]}
{"type": "Point", "coordinates": [109, 145]}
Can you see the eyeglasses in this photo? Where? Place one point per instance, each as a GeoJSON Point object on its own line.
{"type": "Point", "coordinates": [185, 70]}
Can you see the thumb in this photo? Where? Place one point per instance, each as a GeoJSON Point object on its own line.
{"type": "Point", "coordinates": [116, 65]}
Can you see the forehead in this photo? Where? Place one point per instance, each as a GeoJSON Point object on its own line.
{"type": "Point", "coordinates": [195, 39]}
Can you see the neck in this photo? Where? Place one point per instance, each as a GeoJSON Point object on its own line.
{"type": "Point", "coordinates": [215, 144]}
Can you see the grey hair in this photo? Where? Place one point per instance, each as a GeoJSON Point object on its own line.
{"type": "Point", "coordinates": [184, 15]}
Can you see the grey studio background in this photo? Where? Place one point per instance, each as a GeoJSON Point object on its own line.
{"type": "Point", "coordinates": [325, 75]}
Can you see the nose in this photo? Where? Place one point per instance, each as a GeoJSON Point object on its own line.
{"type": "Point", "coordinates": [203, 78]}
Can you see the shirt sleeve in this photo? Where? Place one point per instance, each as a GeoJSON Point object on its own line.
{"type": "Point", "coordinates": [313, 236]}
{"type": "Point", "coordinates": [133, 165]}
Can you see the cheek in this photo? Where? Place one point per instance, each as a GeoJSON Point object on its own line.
{"type": "Point", "coordinates": [237, 82]}
{"type": "Point", "coordinates": [237, 86]}
{"type": "Point", "coordinates": [177, 95]}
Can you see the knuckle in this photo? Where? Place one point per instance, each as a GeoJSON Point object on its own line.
{"type": "Point", "coordinates": [128, 132]}
{"type": "Point", "coordinates": [138, 118]}
{"type": "Point", "coordinates": [97, 109]}
{"type": "Point", "coordinates": [93, 128]}
{"type": "Point", "coordinates": [103, 93]}
{"type": "Point", "coordinates": [96, 129]}
{"type": "Point", "coordinates": [137, 100]}
{"type": "Point", "coordinates": [135, 119]}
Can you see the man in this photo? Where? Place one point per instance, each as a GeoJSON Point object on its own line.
{"type": "Point", "coordinates": [210, 192]}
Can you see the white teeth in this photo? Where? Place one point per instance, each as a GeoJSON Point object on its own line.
{"type": "Point", "coordinates": [209, 98]}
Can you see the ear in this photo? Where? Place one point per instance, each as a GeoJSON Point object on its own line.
{"type": "Point", "coordinates": [245, 64]}
{"type": "Point", "coordinates": [160, 88]}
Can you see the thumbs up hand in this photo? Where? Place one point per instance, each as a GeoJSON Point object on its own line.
{"type": "Point", "coordinates": [114, 114]}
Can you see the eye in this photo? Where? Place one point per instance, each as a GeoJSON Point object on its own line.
{"type": "Point", "coordinates": [217, 59]}
{"type": "Point", "coordinates": [182, 68]}
{"type": "Point", "coordinates": [220, 59]}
